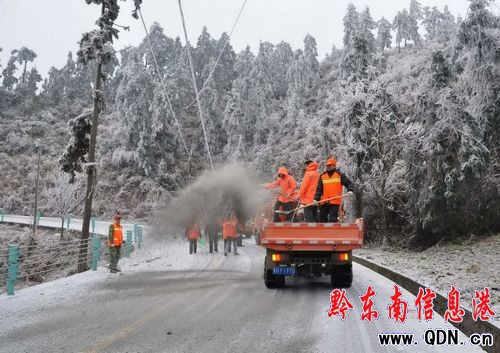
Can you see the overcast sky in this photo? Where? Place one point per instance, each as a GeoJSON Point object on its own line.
{"type": "Point", "coordinates": [52, 28]}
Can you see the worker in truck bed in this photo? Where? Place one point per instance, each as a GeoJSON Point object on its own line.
{"type": "Point", "coordinates": [308, 190]}
{"type": "Point", "coordinates": [286, 199]}
{"type": "Point", "coordinates": [330, 185]}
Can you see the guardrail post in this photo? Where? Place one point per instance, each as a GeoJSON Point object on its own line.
{"type": "Point", "coordinates": [2, 214]}
{"type": "Point", "coordinates": [128, 246]}
{"type": "Point", "coordinates": [13, 266]}
{"type": "Point", "coordinates": [38, 215]}
{"type": "Point", "coordinates": [139, 236]}
{"type": "Point", "coordinates": [136, 227]}
{"type": "Point", "coordinates": [68, 221]}
{"type": "Point", "coordinates": [96, 250]}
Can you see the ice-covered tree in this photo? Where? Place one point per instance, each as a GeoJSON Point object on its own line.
{"type": "Point", "coordinates": [384, 36]}
{"type": "Point", "coordinates": [32, 82]}
{"type": "Point", "coordinates": [224, 73]}
{"type": "Point", "coordinates": [163, 48]}
{"type": "Point", "coordinates": [61, 197]}
{"type": "Point", "coordinates": [94, 46]}
{"type": "Point", "coordinates": [416, 13]}
{"type": "Point", "coordinates": [359, 56]}
{"type": "Point", "coordinates": [9, 78]}
{"type": "Point", "coordinates": [281, 59]}
{"type": "Point", "coordinates": [204, 52]}
{"type": "Point", "coordinates": [350, 25]}
{"type": "Point", "coordinates": [432, 18]}
{"type": "Point", "coordinates": [24, 55]}
{"type": "Point", "coordinates": [239, 119]}
{"type": "Point", "coordinates": [311, 60]}
{"type": "Point", "coordinates": [402, 26]}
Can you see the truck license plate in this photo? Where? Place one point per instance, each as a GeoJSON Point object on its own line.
{"type": "Point", "coordinates": [284, 271]}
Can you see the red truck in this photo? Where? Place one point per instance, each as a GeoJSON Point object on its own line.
{"type": "Point", "coordinates": [309, 250]}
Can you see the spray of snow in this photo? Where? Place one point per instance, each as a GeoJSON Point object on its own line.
{"type": "Point", "coordinates": [229, 189]}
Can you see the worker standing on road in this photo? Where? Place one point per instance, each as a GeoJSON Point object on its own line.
{"type": "Point", "coordinates": [230, 234]}
{"type": "Point", "coordinates": [308, 190]}
{"type": "Point", "coordinates": [330, 185]}
{"type": "Point", "coordinates": [193, 234]}
{"type": "Point", "coordinates": [212, 231]}
{"type": "Point", "coordinates": [115, 241]}
{"type": "Point", "coordinates": [286, 199]}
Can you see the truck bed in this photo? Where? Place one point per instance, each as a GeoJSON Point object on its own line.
{"type": "Point", "coordinates": [312, 236]}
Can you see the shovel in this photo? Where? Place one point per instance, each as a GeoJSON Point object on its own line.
{"type": "Point", "coordinates": [311, 204]}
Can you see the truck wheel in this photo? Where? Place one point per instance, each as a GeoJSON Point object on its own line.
{"type": "Point", "coordinates": [342, 276]}
{"type": "Point", "coordinates": [269, 279]}
{"type": "Point", "coordinates": [268, 276]}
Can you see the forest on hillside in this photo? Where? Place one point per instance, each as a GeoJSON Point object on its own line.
{"type": "Point", "coordinates": [410, 107]}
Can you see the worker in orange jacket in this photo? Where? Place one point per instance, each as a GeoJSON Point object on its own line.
{"type": "Point", "coordinates": [230, 234]}
{"type": "Point", "coordinates": [330, 185]}
{"type": "Point", "coordinates": [286, 200]}
{"type": "Point", "coordinates": [115, 241]}
{"type": "Point", "coordinates": [308, 190]}
{"type": "Point", "coordinates": [193, 234]}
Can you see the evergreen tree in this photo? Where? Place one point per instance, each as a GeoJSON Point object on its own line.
{"type": "Point", "coordinates": [415, 14]}
{"type": "Point", "coordinates": [239, 119]}
{"type": "Point", "coordinates": [224, 74]}
{"type": "Point", "coordinates": [402, 26]}
{"type": "Point", "coordinates": [311, 60]}
{"type": "Point", "coordinates": [431, 21]}
{"type": "Point", "coordinates": [9, 78]}
{"type": "Point", "coordinates": [350, 25]}
{"type": "Point", "coordinates": [447, 28]}
{"type": "Point", "coordinates": [281, 59]}
{"type": "Point", "coordinates": [384, 36]}
{"type": "Point", "coordinates": [32, 82]}
{"type": "Point", "coordinates": [163, 49]}
{"type": "Point", "coordinates": [23, 56]}
{"type": "Point", "coordinates": [204, 52]}
{"type": "Point", "coordinates": [359, 56]}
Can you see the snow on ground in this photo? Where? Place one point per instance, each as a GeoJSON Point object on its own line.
{"type": "Point", "coordinates": [167, 255]}
{"type": "Point", "coordinates": [469, 265]}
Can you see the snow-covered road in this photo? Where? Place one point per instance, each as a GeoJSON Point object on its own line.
{"type": "Point", "coordinates": [166, 300]}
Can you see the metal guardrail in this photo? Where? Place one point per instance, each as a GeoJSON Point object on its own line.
{"type": "Point", "coordinates": [468, 326]}
{"type": "Point", "coordinates": [35, 261]}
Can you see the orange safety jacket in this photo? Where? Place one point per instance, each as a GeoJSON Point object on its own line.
{"type": "Point", "coordinates": [309, 184]}
{"type": "Point", "coordinates": [115, 235]}
{"type": "Point", "coordinates": [287, 185]}
{"type": "Point", "coordinates": [229, 229]}
{"type": "Point", "coordinates": [193, 232]}
{"type": "Point", "coordinates": [332, 187]}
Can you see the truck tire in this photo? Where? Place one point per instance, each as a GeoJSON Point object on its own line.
{"type": "Point", "coordinates": [272, 281]}
{"type": "Point", "coordinates": [269, 279]}
{"type": "Point", "coordinates": [341, 276]}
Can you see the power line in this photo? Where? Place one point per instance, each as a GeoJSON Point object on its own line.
{"type": "Point", "coordinates": [195, 86]}
{"type": "Point", "coordinates": [221, 52]}
{"type": "Point", "coordinates": [177, 124]}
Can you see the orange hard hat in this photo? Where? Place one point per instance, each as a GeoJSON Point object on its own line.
{"type": "Point", "coordinates": [331, 161]}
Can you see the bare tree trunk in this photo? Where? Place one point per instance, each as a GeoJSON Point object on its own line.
{"type": "Point", "coordinates": [91, 170]}
{"type": "Point", "coordinates": [62, 228]}
{"type": "Point", "coordinates": [24, 71]}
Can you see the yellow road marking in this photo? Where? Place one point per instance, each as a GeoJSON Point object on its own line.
{"type": "Point", "coordinates": [122, 332]}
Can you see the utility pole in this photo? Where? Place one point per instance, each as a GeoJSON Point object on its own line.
{"type": "Point", "coordinates": [36, 188]}
{"type": "Point", "coordinates": [91, 169]}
